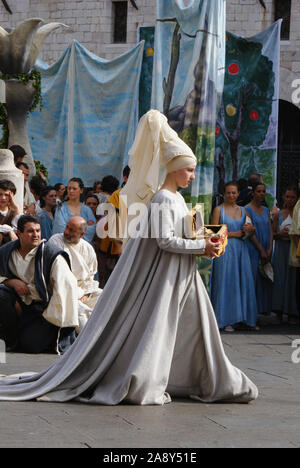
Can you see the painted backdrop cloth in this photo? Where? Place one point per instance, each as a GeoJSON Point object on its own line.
{"type": "Point", "coordinates": [89, 114]}
{"type": "Point", "coordinates": [187, 86]}
{"type": "Point", "coordinates": [146, 34]}
{"type": "Point", "coordinates": [152, 333]}
{"type": "Point", "coordinates": [188, 77]}
{"type": "Point", "coordinates": [246, 130]}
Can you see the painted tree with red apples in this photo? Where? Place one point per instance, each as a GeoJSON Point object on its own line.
{"type": "Point", "coordinates": [246, 109]}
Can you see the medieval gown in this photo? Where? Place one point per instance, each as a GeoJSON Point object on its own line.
{"type": "Point", "coordinates": [152, 333]}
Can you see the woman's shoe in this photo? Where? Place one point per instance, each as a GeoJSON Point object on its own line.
{"type": "Point", "coordinates": [229, 329]}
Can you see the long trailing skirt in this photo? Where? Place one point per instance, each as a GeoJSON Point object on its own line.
{"type": "Point", "coordinates": [152, 335]}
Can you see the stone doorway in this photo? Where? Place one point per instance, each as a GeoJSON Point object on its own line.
{"type": "Point", "coordinates": [288, 158]}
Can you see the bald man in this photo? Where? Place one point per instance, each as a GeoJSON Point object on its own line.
{"type": "Point", "coordinates": [83, 265]}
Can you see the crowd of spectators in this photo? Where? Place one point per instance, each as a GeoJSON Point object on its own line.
{"type": "Point", "coordinates": [54, 247]}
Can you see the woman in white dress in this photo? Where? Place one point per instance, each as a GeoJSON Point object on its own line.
{"type": "Point", "coordinates": [153, 332]}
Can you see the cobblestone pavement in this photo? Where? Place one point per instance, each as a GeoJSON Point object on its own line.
{"type": "Point", "coordinates": [273, 420]}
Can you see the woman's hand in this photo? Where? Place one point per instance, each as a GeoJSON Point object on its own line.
{"type": "Point", "coordinates": [263, 255]}
{"type": "Point", "coordinates": [284, 233]}
{"type": "Point", "coordinates": [12, 204]}
{"type": "Point", "coordinates": [30, 209]}
{"type": "Point", "coordinates": [84, 299]}
{"type": "Point", "coordinates": [275, 212]}
{"type": "Point", "coordinates": [249, 228]}
{"type": "Point", "coordinates": [212, 248]}
{"type": "Point", "coordinates": [235, 234]}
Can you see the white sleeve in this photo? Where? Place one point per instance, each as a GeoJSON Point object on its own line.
{"type": "Point", "coordinates": [171, 242]}
{"type": "Point", "coordinates": [15, 220]}
{"type": "Point", "coordinates": [90, 284]}
{"type": "Point", "coordinates": [62, 309]}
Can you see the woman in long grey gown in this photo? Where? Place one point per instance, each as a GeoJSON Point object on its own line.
{"type": "Point", "coordinates": [153, 332]}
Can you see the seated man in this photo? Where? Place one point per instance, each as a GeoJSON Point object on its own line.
{"type": "Point", "coordinates": [8, 212]}
{"type": "Point", "coordinates": [83, 264]}
{"type": "Point", "coordinates": [38, 293]}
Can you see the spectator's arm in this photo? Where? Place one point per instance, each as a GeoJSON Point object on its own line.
{"type": "Point", "coordinates": [91, 227]}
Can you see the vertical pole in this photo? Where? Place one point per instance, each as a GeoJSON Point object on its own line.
{"type": "Point", "coordinates": [70, 162]}
{"type": "Point", "coordinates": [2, 92]}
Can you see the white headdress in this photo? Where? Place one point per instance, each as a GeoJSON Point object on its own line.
{"type": "Point", "coordinates": [157, 150]}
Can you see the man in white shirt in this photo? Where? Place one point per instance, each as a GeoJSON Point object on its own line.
{"type": "Point", "coordinates": [36, 185]}
{"type": "Point", "coordinates": [38, 293]}
{"type": "Point", "coordinates": [83, 264]}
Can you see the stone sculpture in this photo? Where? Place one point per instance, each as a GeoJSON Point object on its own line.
{"type": "Point", "coordinates": [9, 171]}
{"type": "Point", "coordinates": [19, 50]}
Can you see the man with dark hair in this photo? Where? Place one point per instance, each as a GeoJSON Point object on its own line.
{"type": "Point", "coordinates": [18, 152]}
{"type": "Point", "coordinates": [36, 185]}
{"type": "Point", "coordinates": [109, 184]}
{"type": "Point", "coordinates": [126, 172]}
{"type": "Point", "coordinates": [29, 200]}
{"type": "Point", "coordinates": [38, 293]}
{"type": "Point", "coordinates": [20, 165]}
{"type": "Point", "coordinates": [245, 195]}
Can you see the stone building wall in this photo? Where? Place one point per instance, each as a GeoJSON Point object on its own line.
{"type": "Point", "coordinates": [91, 24]}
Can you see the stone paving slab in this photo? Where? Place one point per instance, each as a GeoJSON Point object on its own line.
{"type": "Point", "coordinates": [271, 421]}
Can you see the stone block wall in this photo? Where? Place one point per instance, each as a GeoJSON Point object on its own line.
{"type": "Point", "coordinates": [91, 24]}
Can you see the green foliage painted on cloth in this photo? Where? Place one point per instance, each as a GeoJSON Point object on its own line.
{"type": "Point", "coordinates": [206, 148]}
{"type": "Point", "coordinates": [146, 34]}
{"type": "Point", "coordinates": [189, 136]}
{"type": "Point", "coordinates": [247, 69]}
{"type": "Point", "coordinates": [205, 199]}
{"type": "Point", "coordinates": [254, 159]}
{"type": "Point", "coordinates": [202, 143]}
{"type": "Point", "coordinates": [204, 268]}
{"type": "Point", "coordinates": [244, 119]}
